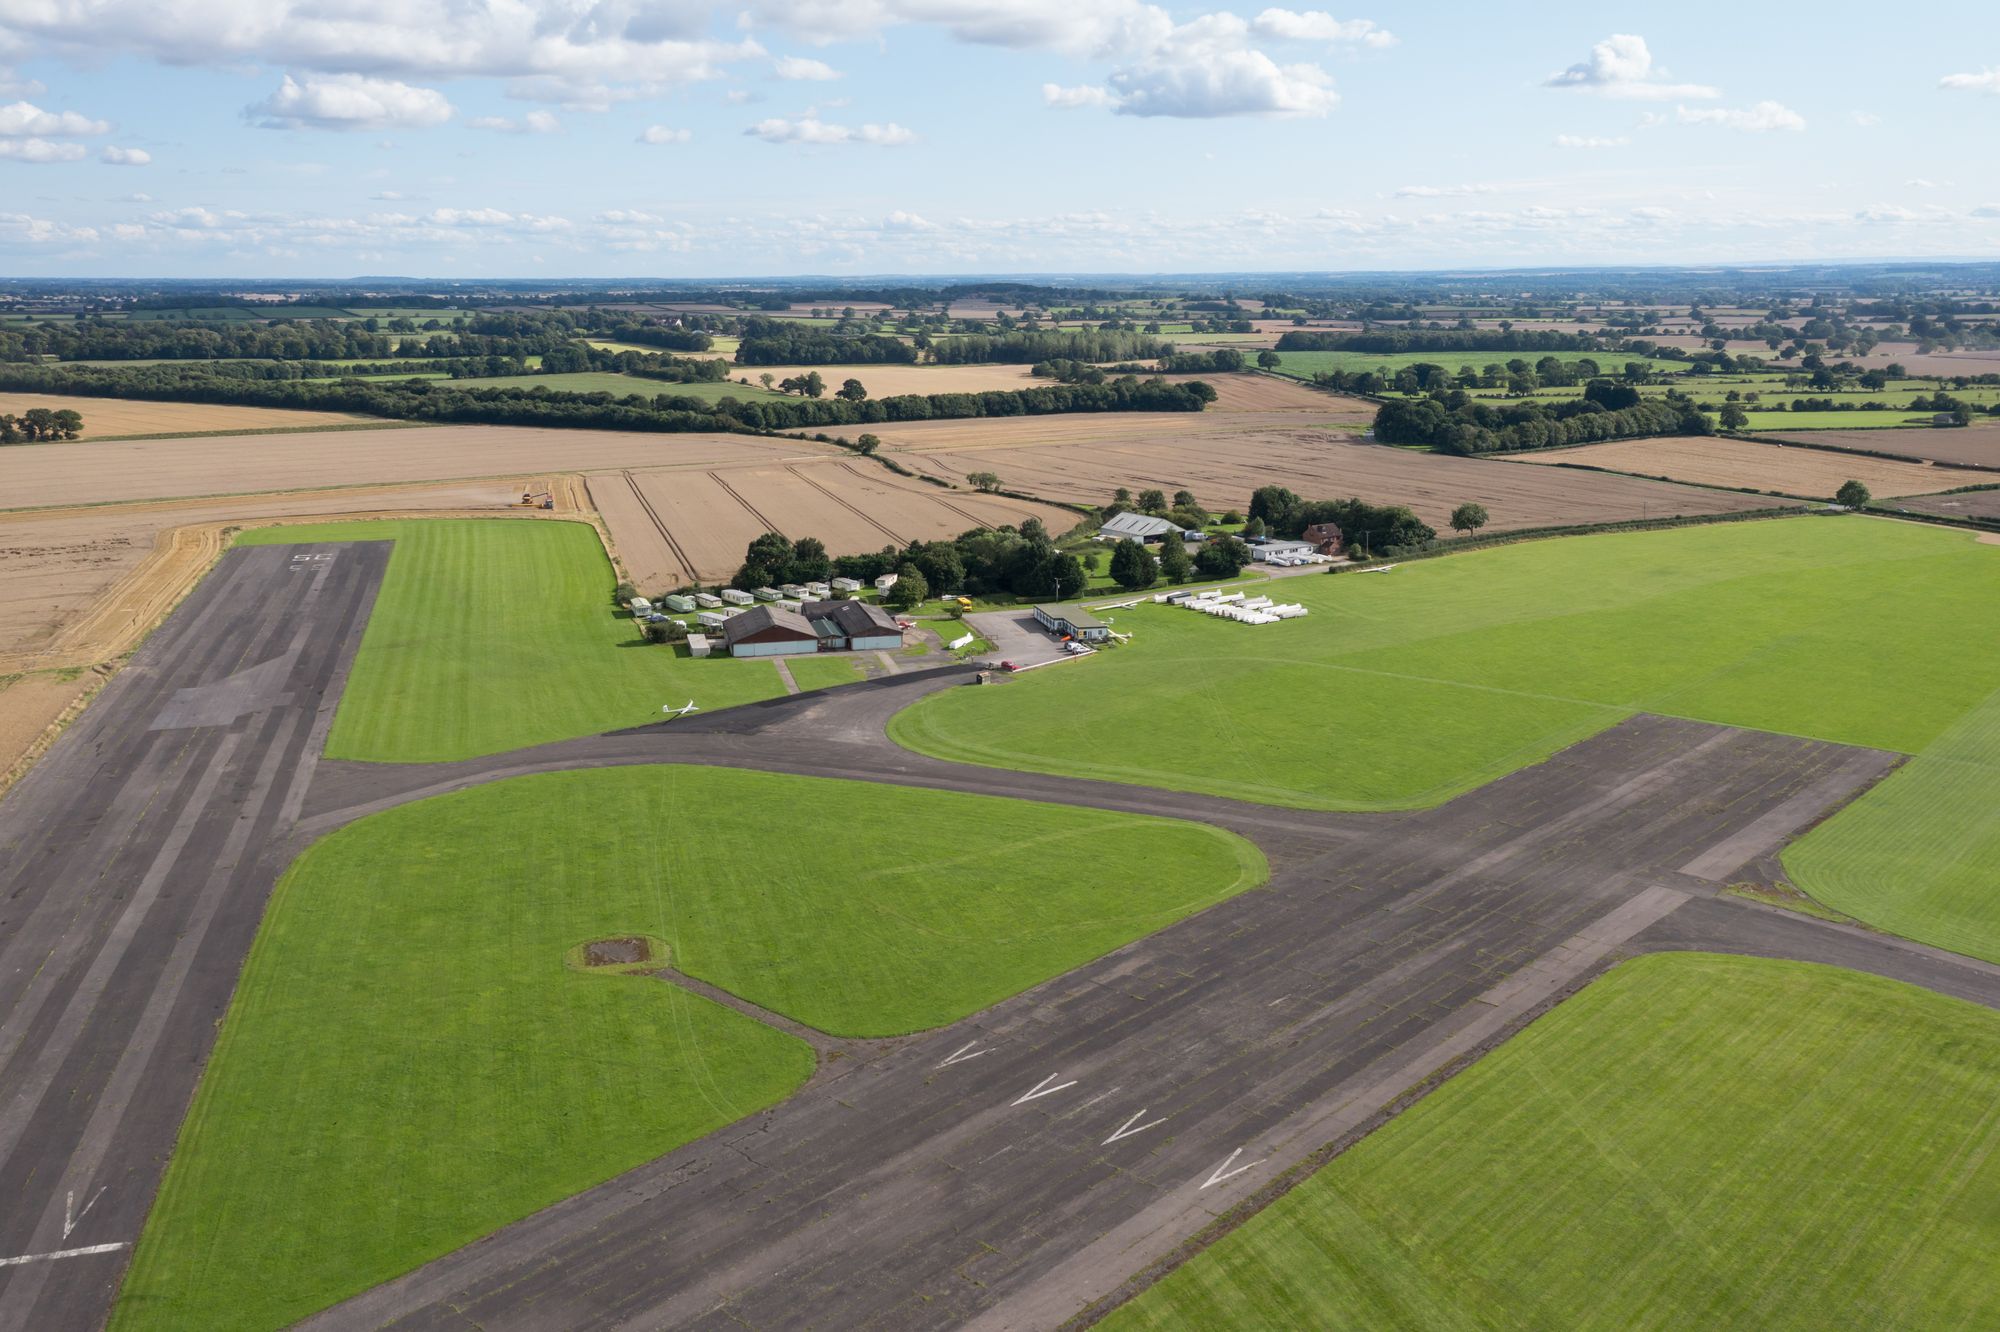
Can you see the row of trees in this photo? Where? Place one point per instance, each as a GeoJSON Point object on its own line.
{"type": "Point", "coordinates": [1392, 341]}
{"type": "Point", "coordinates": [1465, 427]}
{"type": "Point", "coordinates": [1135, 568]}
{"type": "Point", "coordinates": [1023, 561]}
{"type": "Point", "coordinates": [1378, 529]}
{"type": "Point", "coordinates": [537, 404]}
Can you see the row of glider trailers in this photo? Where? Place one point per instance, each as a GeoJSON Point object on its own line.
{"type": "Point", "coordinates": [1237, 606]}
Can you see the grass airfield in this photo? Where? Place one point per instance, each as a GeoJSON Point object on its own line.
{"type": "Point", "coordinates": [1403, 689]}
{"type": "Point", "coordinates": [487, 1078]}
{"type": "Point", "coordinates": [1692, 1141]}
{"type": "Point", "coordinates": [474, 1076]}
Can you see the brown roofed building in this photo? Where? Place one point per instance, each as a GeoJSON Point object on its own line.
{"type": "Point", "coordinates": [1324, 538]}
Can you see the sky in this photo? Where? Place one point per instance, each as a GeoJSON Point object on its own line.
{"type": "Point", "coordinates": [240, 139]}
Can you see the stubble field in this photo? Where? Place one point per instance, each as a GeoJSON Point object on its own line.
{"type": "Point", "coordinates": [1718, 461]}
{"type": "Point", "coordinates": [677, 527]}
{"type": "Point", "coordinates": [1225, 463]}
{"type": "Point", "coordinates": [114, 418]}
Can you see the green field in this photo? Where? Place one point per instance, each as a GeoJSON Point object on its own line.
{"type": "Point", "coordinates": [1691, 1142]}
{"type": "Point", "coordinates": [490, 634]}
{"type": "Point", "coordinates": [1403, 689]}
{"type": "Point", "coordinates": [1919, 855]}
{"type": "Point", "coordinates": [468, 1075]}
{"type": "Point", "coordinates": [825, 670]}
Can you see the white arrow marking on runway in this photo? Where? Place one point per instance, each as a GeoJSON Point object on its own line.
{"type": "Point", "coordinates": [1045, 1083]}
{"type": "Point", "coordinates": [1127, 1131]}
{"type": "Point", "coordinates": [60, 1253]}
{"type": "Point", "coordinates": [959, 1055]}
{"type": "Point", "coordinates": [71, 1222]}
{"type": "Point", "coordinates": [1223, 1171]}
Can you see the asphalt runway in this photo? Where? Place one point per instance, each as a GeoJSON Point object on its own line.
{"type": "Point", "coordinates": [135, 859]}
{"type": "Point", "coordinates": [1006, 1172]}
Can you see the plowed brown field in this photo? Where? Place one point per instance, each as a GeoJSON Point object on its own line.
{"type": "Point", "coordinates": [1976, 446]}
{"type": "Point", "coordinates": [1715, 461]}
{"type": "Point", "coordinates": [113, 418]}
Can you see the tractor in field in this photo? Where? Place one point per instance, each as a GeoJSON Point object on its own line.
{"type": "Point", "coordinates": [544, 500]}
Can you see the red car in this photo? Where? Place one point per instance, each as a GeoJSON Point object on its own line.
{"type": "Point", "coordinates": [1009, 666]}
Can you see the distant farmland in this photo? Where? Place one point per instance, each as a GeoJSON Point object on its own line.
{"type": "Point", "coordinates": [1737, 463]}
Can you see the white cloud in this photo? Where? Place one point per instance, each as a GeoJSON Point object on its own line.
{"type": "Point", "coordinates": [535, 122]}
{"type": "Point", "coordinates": [12, 85]}
{"type": "Point", "coordinates": [1316, 25]}
{"type": "Point", "coordinates": [1071, 27]}
{"type": "Point", "coordinates": [116, 156]}
{"type": "Point", "coordinates": [350, 102]}
{"type": "Point", "coordinates": [565, 42]}
{"type": "Point", "coordinates": [1084, 94]}
{"type": "Point", "coordinates": [664, 134]}
{"type": "Point", "coordinates": [1761, 118]}
{"type": "Point", "coordinates": [1205, 68]}
{"type": "Point", "coordinates": [810, 129]}
{"type": "Point", "coordinates": [1590, 141]}
{"type": "Point", "coordinates": [1865, 119]}
{"type": "Point", "coordinates": [42, 150]}
{"type": "Point", "coordinates": [1448, 191]}
{"type": "Point", "coordinates": [1986, 81]}
{"type": "Point", "coordinates": [801, 70]}
{"type": "Point", "coordinates": [902, 221]}
{"type": "Point", "coordinates": [25, 118]}
{"type": "Point", "coordinates": [1622, 66]}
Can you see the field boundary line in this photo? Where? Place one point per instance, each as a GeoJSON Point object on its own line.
{"type": "Point", "coordinates": [855, 509]}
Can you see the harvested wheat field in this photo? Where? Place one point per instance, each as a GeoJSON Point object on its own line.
{"type": "Point", "coordinates": [675, 527]}
{"type": "Point", "coordinates": [1271, 393]}
{"type": "Point", "coordinates": [234, 465]}
{"type": "Point", "coordinates": [1970, 446]}
{"type": "Point", "coordinates": [1790, 470]}
{"type": "Point", "coordinates": [79, 585]}
{"type": "Point", "coordinates": [118, 418]}
{"type": "Point", "coordinates": [1223, 468]}
{"type": "Point", "coordinates": [31, 706]}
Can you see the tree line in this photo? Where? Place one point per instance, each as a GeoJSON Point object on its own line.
{"type": "Point", "coordinates": [1392, 341]}
{"type": "Point", "coordinates": [1380, 529]}
{"type": "Point", "coordinates": [1453, 424]}
{"type": "Point", "coordinates": [537, 404]}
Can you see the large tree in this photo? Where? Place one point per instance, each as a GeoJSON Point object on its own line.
{"type": "Point", "coordinates": [1852, 494]}
{"type": "Point", "coordinates": [1133, 566]}
{"type": "Point", "coordinates": [1175, 565]}
{"type": "Point", "coordinates": [1468, 518]}
{"type": "Point", "coordinates": [1223, 556]}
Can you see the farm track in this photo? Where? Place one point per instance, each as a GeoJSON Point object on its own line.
{"type": "Point", "coordinates": [687, 565]}
{"type": "Point", "coordinates": [897, 537]}
{"type": "Point", "coordinates": [737, 495]}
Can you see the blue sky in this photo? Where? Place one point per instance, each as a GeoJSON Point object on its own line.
{"type": "Point", "coordinates": [480, 138]}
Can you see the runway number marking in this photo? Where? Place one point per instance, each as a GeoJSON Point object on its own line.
{"type": "Point", "coordinates": [1042, 1088]}
{"type": "Point", "coordinates": [1223, 1171]}
{"type": "Point", "coordinates": [27, 1258]}
{"type": "Point", "coordinates": [959, 1055]}
{"type": "Point", "coordinates": [73, 1218]}
{"type": "Point", "coordinates": [1127, 1131]}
